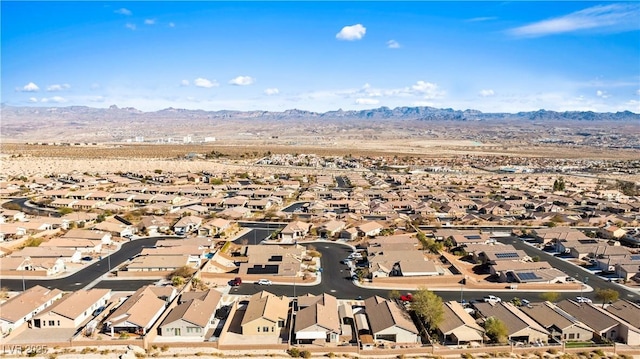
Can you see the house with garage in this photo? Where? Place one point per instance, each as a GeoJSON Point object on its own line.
{"type": "Point", "coordinates": [140, 311]}
{"type": "Point", "coordinates": [193, 316]}
{"type": "Point", "coordinates": [23, 307]}
{"type": "Point", "coordinates": [317, 320]}
{"type": "Point", "coordinates": [294, 230]}
{"type": "Point", "coordinates": [604, 324]}
{"type": "Point", "coordinates": [331, 229]}
{"type": "Point", "coordinates": [266, 314]}
{"type": "Point", "coordinates": [187, 225]}
{"type": "Point", "coordinates": [72, 310]}
{"type": "Point", "coordinates": [458, 326]}
{"type": "Point", "coordinates": [369, 229]}
{"type": "Point", "coordinates": [68, 255]}
{"type": "Point", "coordinates": [388, 322]}
{"type": "Point", "coordinates": [520, 327]}
{"type": "Point", "coordinates": [153, 225]}
{"type": "Point", "coordinates": [562, 325]}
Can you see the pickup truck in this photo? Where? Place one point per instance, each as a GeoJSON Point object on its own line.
{"type": "Point", "coordinates": [491, 299]}
{"type": "Point", "coordinates": [235, 282]}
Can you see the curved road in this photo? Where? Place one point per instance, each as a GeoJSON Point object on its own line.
{"type": "Point", "coordinates": [88, 274]}
{"type": "Point", "coordinates": [335, 276]}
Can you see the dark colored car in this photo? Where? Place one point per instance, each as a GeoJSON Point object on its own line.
{"type": "Point", "coordinates": [98, 311]}
{"type": "Point", "coordinates": [235, 282]}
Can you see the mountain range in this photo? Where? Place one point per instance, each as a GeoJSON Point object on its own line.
{"type": "Point", "coordinates": [20, 114]}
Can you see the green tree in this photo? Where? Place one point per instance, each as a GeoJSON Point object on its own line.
{"type": "Point", "coordinates": [496, 330]}
{"type": "Point", "coordinates": [607, 295]}
{"type": "Point", "coordinates": [428, 306]}
{"type": "Point", "coordinates": [65, 210]}
{"type": "Point", "coordinates": [550, 296]}
{"type": "Point", "coordinates": [559, 185]}
{"type": "Point", "coordinates": [394, 294]}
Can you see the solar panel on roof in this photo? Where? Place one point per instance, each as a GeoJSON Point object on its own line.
{"type": "Point", "coordinates": [473, 237]}
{"type": "Point", "coordinates": [635, 258]}
{"type": "Point", "coordinates": [528, 276]}
{"type": "Point", "coordinates": [259, 269]}
{"type": "Point", "coordinates": [507, 255]}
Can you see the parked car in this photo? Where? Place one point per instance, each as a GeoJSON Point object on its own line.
{"type": "Point", "coordinates": [98, 311]}
{"type": "Point", "coordinates": [264, 282]}
{"type": "Point", "coordinates": [406, 297]}
{"type": "Point", "coordinates": [525, 302]}
{"type": "Point", "coordinates": [583, 300]}
{"type": "Point", "coordinates": [235, 282]}
{"type": "Point", "coordinates": [355, 255]}
{"type": "Point", "coordinates": [491, 299]}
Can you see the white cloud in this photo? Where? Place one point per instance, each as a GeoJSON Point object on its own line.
{"type": "Point", "coordinates": [33, 99]}
{"type": "Point", "coordinates": [95, 86]}
{"type": "Point", "coordinates": [482, 18]}
{"type": "Point", "coordinates": [171, 24]}
{"type": "Point", "coordinates": [124, 11]}
{"type": "Point", "coordinates": [205, 83]}
{"type": "Point", "coordinates": [367, 101]}
{"type": "Point", "coordinates": [130, 26]}
{"type": "Point", "coordinates": [30, 87]}
{"type": "Point", "coordinates": [271, 91]}
{"type": "Point", "coordinates": [150, 21]}
{"type": "Point", "coordinates": [604, 18]}
{"type": "Point", "coordinates": [427, 89]}
{"type": "Point", "coordinates": [486, 93]}
{"type": "Point", "coordinates": [56, 99]}
{"type": "Point", "coordinates": [638, 92]}
{"type": "Point", "coordinates": [351, 33]}
{"type": "Point", "coordinates": [184, 83]}
{"type": "Point", "coordinates": [602, 94]}
{"type": "Point", "coordinates": [58, 87]}
{"type": "Point", "coordinates": [242, 81]}
{"type": "Point", "coordinates": [393, 44]}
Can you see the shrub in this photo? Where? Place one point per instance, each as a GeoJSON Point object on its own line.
{"type": "Point", "coordinates": [552, 351]}
{"type": "Point", "coordinates": [305, 354]}
{"type": "Point", "coordinates": [467, 356]}
{"type": "Point", "coordinates": [599, 352]}
{"type": "Point", "coordinates": [294, 352]}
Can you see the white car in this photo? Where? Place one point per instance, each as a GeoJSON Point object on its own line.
{"type": "Point", "coordinates": [583, 300]}
{"type": "Point", "coordinates": [264, 282]}
{"type": "Point", "coordinates": [355, 255]}
{"type": "Point", "coordinates": [491, 299]}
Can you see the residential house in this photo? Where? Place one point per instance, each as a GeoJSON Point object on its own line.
{"type": "Point", "coordinates": [140, 311]}
{"type": "Point", "coordinates": [193, 316]}
{"type": "Point", "coordinates": [216, 227]}
{"type": "Point", "coordinates": [24, 306]}
{"type": "Point", "coordinates": [187, 224]}
{"type": "Point", "coordinates": [160, 263]}
{"type": "Point", "coordinates": [266, 314]}
{"type": "Point", "coordinates": [603, 325]}
{"type": "Point", "coordinates": [73, 309]}
{"type": "Point", "coordinates": [272, 260]}
{"type": "Point", "coordinates": [68, 255]}
{"type": "Point", "coordinates": [520, 327]}
{"type": "Point", "coordinates": [317, 320]}
{"type": "Point", "coordinates": [561, 325]}
{"type": "Point", "coordinates": [294, 231]}
{"type": "Point", "coordinates": [369, 229]}
{"type": "Point", "coordinates": [152, 225]}
{"type": "Point", "coordinates": [389, 322]}
{"type": "Point", "coordinates": [458, 326]}
{"type": "Point", "coordinates": [103, 237]}
{"type": "Point", "coordinates": [331, 229]}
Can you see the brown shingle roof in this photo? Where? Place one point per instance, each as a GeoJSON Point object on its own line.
{"type": "Point", "coordinates": [198, 310]}
{"type": "Point", "coordinates": [383, 314]}
{"type": "Point", "coordinates": [19, 306]}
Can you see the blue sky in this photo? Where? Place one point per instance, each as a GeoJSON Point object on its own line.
{"type": "Point", "coordinates": [319, 56]}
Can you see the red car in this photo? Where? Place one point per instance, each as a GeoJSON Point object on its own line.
{"type": "Point", "coordinates": [235, 282]}
{"type": "Point", "coordinates": [406, 297]}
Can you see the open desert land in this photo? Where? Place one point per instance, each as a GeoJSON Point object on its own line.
{"type": "Point", "coordinates": [28, 159]}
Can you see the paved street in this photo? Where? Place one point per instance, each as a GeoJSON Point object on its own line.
{"type": "Point", "coordinates": [87, 275]}
{"type": "Point", "coordinates": [571, 270]}
{"type": "Point", "coordinates": [335, 276]}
